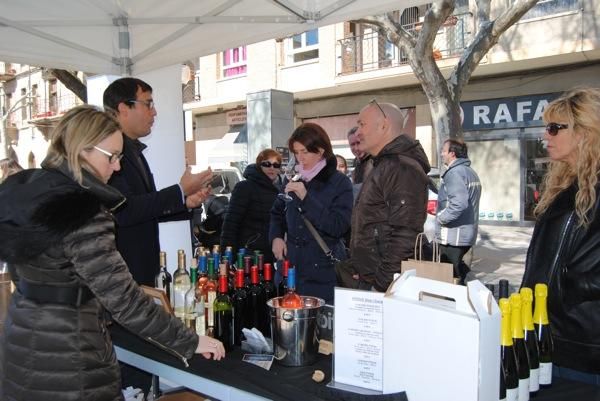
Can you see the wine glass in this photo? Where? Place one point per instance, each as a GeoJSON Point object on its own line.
{"type": "Point", "coordinates": [292, 176]}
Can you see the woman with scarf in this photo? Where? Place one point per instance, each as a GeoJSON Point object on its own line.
{"type": "Point", "coordinates": [321, 198]}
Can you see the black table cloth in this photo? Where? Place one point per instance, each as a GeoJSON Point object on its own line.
{"type": "Point", "coordinates": [295, 383]}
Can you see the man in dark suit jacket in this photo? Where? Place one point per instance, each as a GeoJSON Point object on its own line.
{"type": "Point", "coordinates": [137, 222]}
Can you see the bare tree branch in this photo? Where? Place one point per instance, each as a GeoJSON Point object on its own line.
{"type": "Point", "coordinates": [71, 82]}
{"type": "Point", "coordinates": [487, 36]}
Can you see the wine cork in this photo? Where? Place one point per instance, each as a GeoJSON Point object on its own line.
{"type": "Point", "coordinates": [325, 347]}
{"type": "Point", "coordinates": [318, 376]}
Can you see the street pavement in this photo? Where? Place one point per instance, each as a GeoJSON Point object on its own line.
{"type": "Point", "coordinates": [499, 253]}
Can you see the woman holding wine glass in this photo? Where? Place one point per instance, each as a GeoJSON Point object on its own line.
{"type": "Point", "coordinates": [320, 196]}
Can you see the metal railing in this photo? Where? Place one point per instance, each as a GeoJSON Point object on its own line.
{"type": "Point", "coordinates": [52, 106]}
{"type": "Point", "coordinates": [372, 51]}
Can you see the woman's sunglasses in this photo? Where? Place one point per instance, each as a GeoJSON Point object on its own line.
{"type": "Point", "coordinates": [269, 164]}
{"type": "Point", "coordinates": [553, 128]}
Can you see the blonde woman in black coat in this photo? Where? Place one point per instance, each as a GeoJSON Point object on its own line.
{"type": "Point", "coordinates": [57, 235]}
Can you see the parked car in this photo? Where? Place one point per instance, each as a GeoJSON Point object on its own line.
{"type": "Point", "coordinates": [429, 226]}
{"type": "Point", "coordinates": [207, 223]}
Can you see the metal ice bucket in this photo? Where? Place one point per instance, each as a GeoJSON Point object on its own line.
{"type": "Point", "coordinates": [294, 331]}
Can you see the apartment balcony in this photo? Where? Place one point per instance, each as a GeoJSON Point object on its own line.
{"type": "Point", "coordinates": [7, 72]}
{"type": "Point", "coordinates": [372, 51]}
{"type": "Point", "coordinates": [47, 111]}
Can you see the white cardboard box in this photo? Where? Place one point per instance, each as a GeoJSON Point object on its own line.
{"type": "Point", "coordinates": [440, 350]}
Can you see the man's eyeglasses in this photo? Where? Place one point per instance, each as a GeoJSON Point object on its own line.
{"type": "Point", "coordinates": [553, 128]}
{"type": "Point", "coordinates": [112, 157]}
{"type": "Point", "coordinates": [149, 103]}
{"type": "Point", "coordinates": [268, 164]}
{"type": "Point", "coordinates": [374, 101]}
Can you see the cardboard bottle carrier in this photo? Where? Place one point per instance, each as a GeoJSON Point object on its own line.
{"type": "Point", "coordinates": [441, 341]}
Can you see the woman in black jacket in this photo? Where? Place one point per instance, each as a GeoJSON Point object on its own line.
{"type": "Point", "coordinates": [564, 252]}
{"type": "Point", "coordinates": [57, 235]}
{"type": "Point", "coordinates": [246, 223]}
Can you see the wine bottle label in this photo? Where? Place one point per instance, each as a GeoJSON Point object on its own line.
{"type": "Point", "coordinates": [545, 373]}
{"type": "Point", "coordinates": [201, 325]}
{"type": "Point", "coordinates": [512, 394]}
{"type": "Point", "coordinates": [523, 390]}
{"type": "Point", "coordinates": [209, 304]}
{"type": "Point", "coordinates": [534, 380]}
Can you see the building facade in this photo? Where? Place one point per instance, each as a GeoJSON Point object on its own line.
{"type": "Point", "coordinates": [32, 100]}
{"type": "Point", "coordinates": [333, 71]}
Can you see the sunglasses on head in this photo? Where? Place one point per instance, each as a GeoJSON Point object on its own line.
{"type": "Point", "coordinates": [374, 101]}
{"type": "Point", "coordinates": [269, 164]}
{"type": "Point", "coordinates": [553, 128]}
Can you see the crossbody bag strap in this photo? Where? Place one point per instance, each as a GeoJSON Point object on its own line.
{"type": "Point", "coordinates": [328, 252]}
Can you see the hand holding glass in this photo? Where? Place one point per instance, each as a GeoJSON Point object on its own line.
{"type": "Point", "coordinates": [292, 176]}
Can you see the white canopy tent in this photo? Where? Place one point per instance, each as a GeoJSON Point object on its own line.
{"type": "Point", "coordinates": [150, 39]}
{"type": "Point", "coordinates": [128, 37]}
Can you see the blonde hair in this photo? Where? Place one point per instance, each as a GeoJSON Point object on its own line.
{"type": "Point", "coordinates": [581, 109]}
{"type": "Point", "coordinates": [81, 128]}
{"type": "Point", "coordinates": [9, 167]}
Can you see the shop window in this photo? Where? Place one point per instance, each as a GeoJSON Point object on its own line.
{"type": "Point", "coordinates": [549, 7]}
{"type": "Point", "coordinates": [303, 47]}
{"type": "Point", "coordinates": [537, 165]}
{"type": "Point", "coordinates": [234, 61]}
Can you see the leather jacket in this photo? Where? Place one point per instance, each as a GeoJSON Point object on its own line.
{"type": "Point", "coordinates": [566, 256]}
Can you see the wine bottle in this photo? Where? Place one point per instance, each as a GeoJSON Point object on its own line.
{"type": "Point", "coordinates": [270, 292]}
{"type": "Point", "coordinates": [544, 336]}
{"type": "Point", "coordinates": [282, 287]}
{"type": "Point", "coordinates": [223, 315]}
{"type": "Point", "coordinates": [229, 253]}
{"type": "Point", "coordinates": [181, 283]}
{"type": "Point", "coordinates": [164, 280]}
{"type": "Point", "coordinates": [507, 353]}
{"type": "Point", "coordinates": [256, 302]}
{"type": "Point", "coordinates": [530, 341]}
{"type": "Point", "coordinates": [502, 384]}
{"type": "Point", "coordinates": [503, 289]}
{"type": "Point", "coordinates": [200, 312]}
{"type": "Point", "coordinates": [202, 272]}
{"type": "Point", "coordinates": [210, 294]}
{"type": "Point", "coordinates": [216, 258]}
{"type": "Point", "coordinates": [240, 308]}
{"type": "Point", "coordinates": [516, 324]}
{"type": "Point", "coordinates": [190, 299]}
{"type": "Point", "coordinates": [247, 264]}
{"type": "Point", "coordinates": [261, 267]}
{"type": "Point", "coordinates": [291, 300]}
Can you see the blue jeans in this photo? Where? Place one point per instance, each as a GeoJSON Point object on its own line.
{"type": "Point", "coordinates": [576, 375]}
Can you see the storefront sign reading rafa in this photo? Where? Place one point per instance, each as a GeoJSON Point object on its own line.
{"type": "Point", "coordinates": [236, 117]}
{"type": "Point", "coordinates": [522, 111]}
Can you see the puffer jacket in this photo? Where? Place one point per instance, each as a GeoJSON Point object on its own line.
{"type": "Point", "coordinates": [328, 206]}
{"type": "Point", "coordinates": [457, 217]}
{"type": "Point", "coordinates": [57, 233]}
{"type": "Point", "coordinates": [246, 222]}
{"type": "Point", "coordinates": [566, 257]}
{"type": "Point", "coordinates": [389, 211]}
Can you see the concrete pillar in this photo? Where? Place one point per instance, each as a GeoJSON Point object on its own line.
{"type": "Point", "coordinates": [270, 120]}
